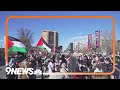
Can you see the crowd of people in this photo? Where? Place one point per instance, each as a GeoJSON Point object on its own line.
{"type": "Point", "coordinates": [94, 63]}
{"type": "Point", "coordinates": [47, 62]}
{"type": "Point", "coordinates": [54, 63]}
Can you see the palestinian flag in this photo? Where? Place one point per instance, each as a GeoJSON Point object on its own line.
{"type": "Point", "coordinates": [15, 45]}
{"type": "Point", "coordinates": [43, 44]}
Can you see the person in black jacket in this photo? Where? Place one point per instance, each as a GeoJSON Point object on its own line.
{"type": "Point", "coordinates": [39, 58]}
{"type": "Point", "coordinates": [63, 59]}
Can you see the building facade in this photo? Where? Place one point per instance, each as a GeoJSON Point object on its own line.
{"type": "Point", "coordinates": [51, 38]}
{"type": "Point", "coordinates": [70, 47]}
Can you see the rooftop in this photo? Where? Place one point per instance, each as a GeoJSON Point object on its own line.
{"type": "Point", "coordinates": [49, 31]}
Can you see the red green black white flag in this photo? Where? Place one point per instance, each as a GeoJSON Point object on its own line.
{"type": "Point", "coordinates": [15, 45]}
{"type": "Point", "coordinates": [43, 44]}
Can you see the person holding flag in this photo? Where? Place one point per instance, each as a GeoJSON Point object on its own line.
{"type": "Point", "coordinates": [15, 46]}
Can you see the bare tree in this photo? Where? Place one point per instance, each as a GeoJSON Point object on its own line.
{"type": "Point", "coordinates": [25, 36]}
{"type": "Point", "coordinates": [106, 41]}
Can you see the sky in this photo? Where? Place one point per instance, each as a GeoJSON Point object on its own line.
{"type": "Point", "coordinates": [70, 30]}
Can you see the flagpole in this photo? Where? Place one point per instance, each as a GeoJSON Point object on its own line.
{"type": "Point", "coordinates": [91, 40]}
{"type": "Point", "coordinates": [99, 41]}
{"type": "Point", "coordinates": [6, 49]}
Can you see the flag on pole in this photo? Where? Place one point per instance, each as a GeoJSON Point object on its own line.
{"type": "Point", "coordinates": [15, 45]}
{"type": "Point", "coordinates": [97, 33]}
{"type": "Point", "coordinates": [89, 42]}
{"type": "Point", "coordinates": [6, 58]}
{"type": "Point", "coordinates": [43, 44]}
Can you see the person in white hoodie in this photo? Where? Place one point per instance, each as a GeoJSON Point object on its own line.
{"type": "Point", "coordinates": [51, 70]}
{"type": "Point", "coordinates": [51, 66]}
{"type": "Point", "coordinates": [64, 69]}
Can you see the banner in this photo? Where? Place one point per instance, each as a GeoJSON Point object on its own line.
{"type": "Point", "coordinates": [89, 42]}
{"type": "Point", "coordinates": [97, 33]}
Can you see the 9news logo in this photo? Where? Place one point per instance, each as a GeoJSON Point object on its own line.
{"type": "Point", "coordinates": [19, 71]}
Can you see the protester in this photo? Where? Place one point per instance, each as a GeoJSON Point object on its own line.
{"type": "Point", "coordinates": [64, 69]}
{"type": "Point", "coordinates": [54, 63]}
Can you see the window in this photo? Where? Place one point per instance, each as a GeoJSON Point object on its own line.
{"type": "Point", "coordinates": [51, 37]}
